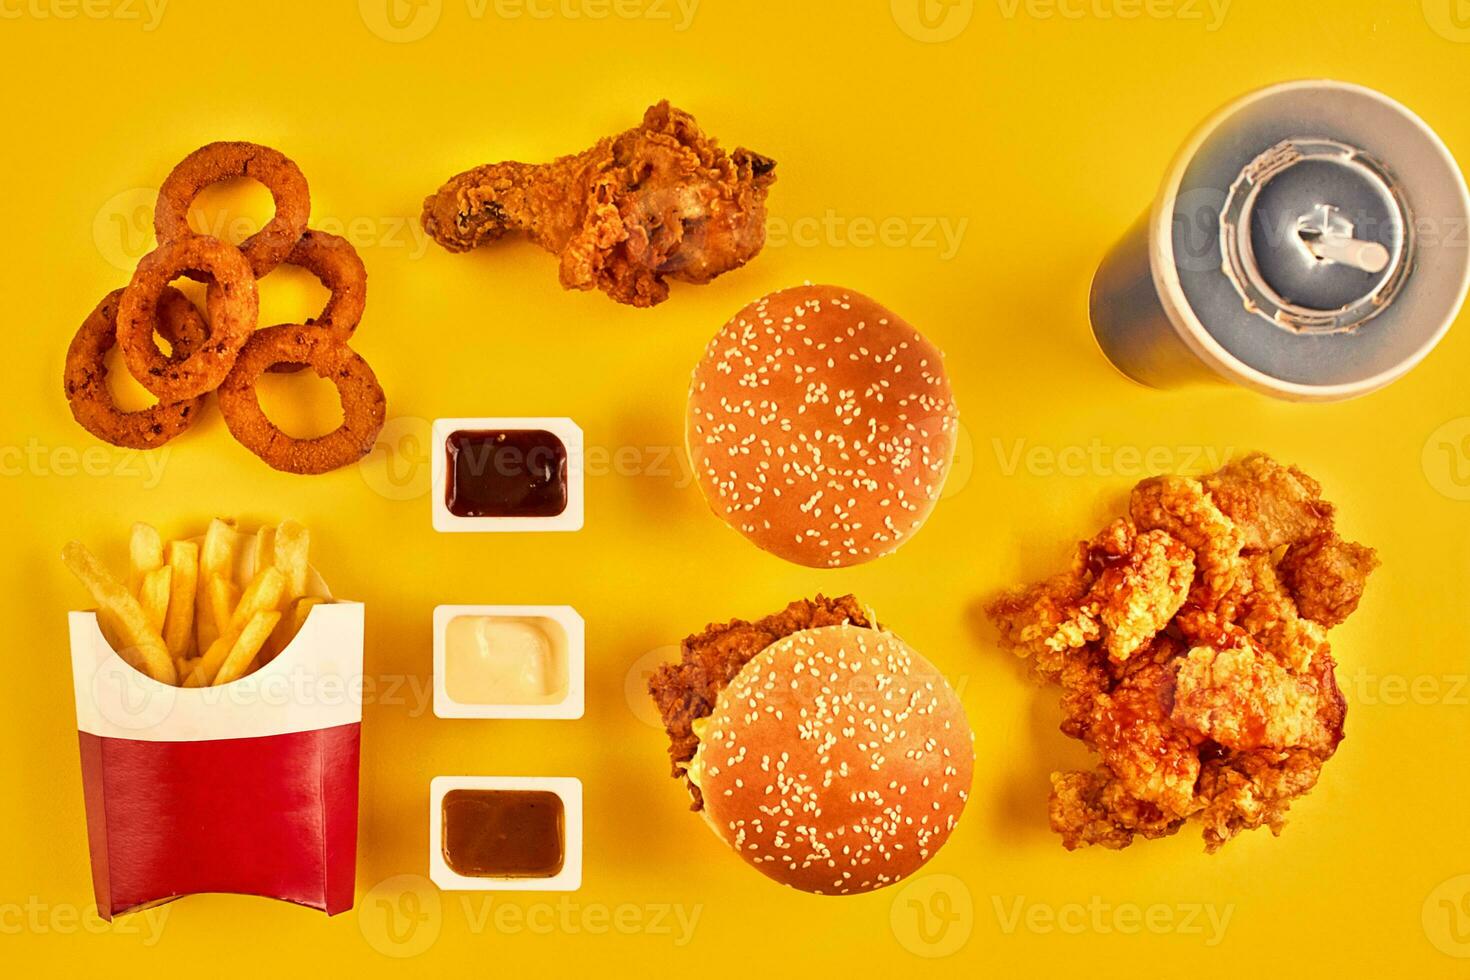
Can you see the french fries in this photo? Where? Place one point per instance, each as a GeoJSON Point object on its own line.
{"type": "Point", "coordinates": [243, 651]}
{"type": "Point", "coordinates": [178, 624]}
{"type": "Point", "coordinates": [139, 643]}
{"type": "Point", "coordinates": [183, 617]}
{"type": "Point", "coordinates": [264, 595]}
{"type": "Point", "coordinates": [145, 554]}
{"type": "Point", "coordinates": [154, 594]}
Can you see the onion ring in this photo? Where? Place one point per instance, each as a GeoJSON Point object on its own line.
{"type": "Point", "coordinates": [336, 265]}
{"type": "Point", "coordinates": [364, 407]}
{"type": "Point", "coordinates": [233, 305]}
{"type": "Point", "coordinates": [85, 380]}
{"type": "Point", "coordinates": [215, 162]}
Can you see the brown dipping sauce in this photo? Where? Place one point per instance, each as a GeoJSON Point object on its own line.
{"type": "Point", "coordinates": [504, 833]}
{"type": "Point", "coordinates": [516, 473]}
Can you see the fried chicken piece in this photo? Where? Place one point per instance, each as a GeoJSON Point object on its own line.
{"type": "Point", "coordinates": [1133, 730]}
{"type": "Point", "coordinates": [1271, 504]}
{"type": "Point", "coordinates": [1327, 575]}
{"type": "Point", "coordinates": [686, 691]}
{"type": "Point", "coordinates": [1123, 589]}
{"type": "Point", "coordinates": [660, 201]}
{"type": "Point", "coordinates": [1138, 592]}
{"type": "Point", "coordinates": [1257, 606]}
{"type": "Point", "coordinates": [1253, 789]}
{"type": "Point", "coordinates": [1244, 699]}
{"type": "Point", "coordinates": [1181, 507]}
{"type": "Point", "coordinates": [1213, 696]}
{"type": "Point", "coordinates": [1093, 808]}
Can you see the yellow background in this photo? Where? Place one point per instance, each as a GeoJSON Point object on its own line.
{"type": "Point", "coordinates": [1045, 134]}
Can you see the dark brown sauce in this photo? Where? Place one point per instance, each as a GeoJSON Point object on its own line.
{"type": "Point", "coordinates": [513, 473]}
{"type": "Point", "coordinates": [504, 833]}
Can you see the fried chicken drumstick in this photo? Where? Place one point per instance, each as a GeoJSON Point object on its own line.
{"type": "Point", "coordinates": [658, 202]}
{"type": "Point", "coordinates": [1190, 644]}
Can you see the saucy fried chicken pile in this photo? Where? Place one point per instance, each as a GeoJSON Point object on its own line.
{"type": "Point", "coordinates": [686, 691]}
{"type": "Point", "coordinates": [658, 202]}
{"type": "Point", "coordinates": [1190, 643]}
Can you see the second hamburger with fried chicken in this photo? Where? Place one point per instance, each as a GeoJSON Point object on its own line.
{"type": "Point", "coordinates": [831, 756]}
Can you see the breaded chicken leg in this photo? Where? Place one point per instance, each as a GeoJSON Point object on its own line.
{"type": "Point", "coordinates": [658, 202]}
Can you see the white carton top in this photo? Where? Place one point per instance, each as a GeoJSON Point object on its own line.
{"type": "Point", "coordinates": [315, 683]}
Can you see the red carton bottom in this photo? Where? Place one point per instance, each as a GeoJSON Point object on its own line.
{"type": "Point", "coordinates": [274, 816]}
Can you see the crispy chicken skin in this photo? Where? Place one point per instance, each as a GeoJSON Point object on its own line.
{"type": "Point", "coordinates": [686, 691]}
{"type": "Point", "coordinates": [660, 201]}
{"type": "Point", "coordinates": [1190, 645]}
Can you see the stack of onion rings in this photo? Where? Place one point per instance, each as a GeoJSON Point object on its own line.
{"type": "Point", "coordinates": [218, 162]}
{"type": "Point", "coordinates": [233, 306]}
{"type": "Point", "coordinates": [229, 354]}
{"type": "Point", "coordinates": [363, 405]}
{"type": "Point", "coordinates": [87, 393]}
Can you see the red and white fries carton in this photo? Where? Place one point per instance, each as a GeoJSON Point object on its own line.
{"type": "Point", "coordinates": [248, 788]}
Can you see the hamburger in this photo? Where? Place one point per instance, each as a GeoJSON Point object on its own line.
{"type": "Point", "coordinates": [821, 426]}
{"type": "Point", "coordinates": [824, 750]}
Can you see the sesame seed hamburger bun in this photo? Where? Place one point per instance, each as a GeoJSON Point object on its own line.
{"type": "Point", "coordinates": [837, 761]}
{"type": "Point", "coordinates": [821, 426]}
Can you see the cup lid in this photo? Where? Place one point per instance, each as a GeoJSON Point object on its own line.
{"type": "Point", "coordinates": [1313, 240]}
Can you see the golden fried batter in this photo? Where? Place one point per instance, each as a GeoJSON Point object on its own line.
{"type": "Point", "coordinates": [687, 691]}
{"type": "Point", "coordinates": [661, 201]}
{"type": "Point", "coordinates": [1190, 644]}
